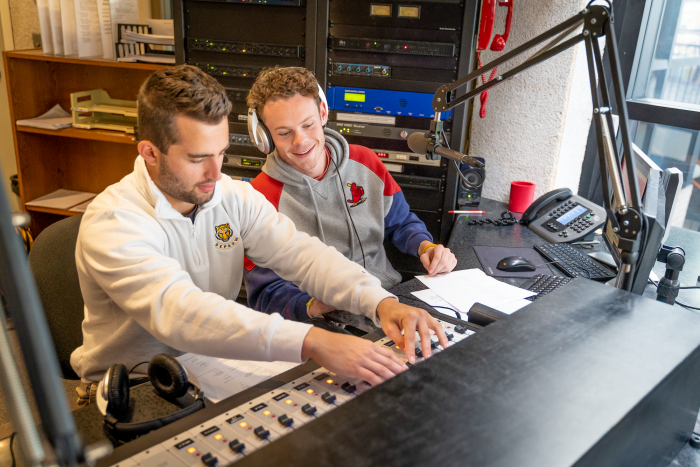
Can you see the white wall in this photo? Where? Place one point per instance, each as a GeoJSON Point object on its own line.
{"type": "Point", "coordinates": [536, 124]}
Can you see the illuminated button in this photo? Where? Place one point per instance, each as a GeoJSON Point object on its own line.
{"type": "Point", "coordinates": [267, 412]}
{"type": "Point", "coordinates": [243, 424]}
{"type": "Point", "coordinates": [289, 401]}
{"type": "Point", "coordinates": [329, 381]}
{"type": "Point", "coordinates": [192, 450]}
{"type": "Point", "coordinates": [309, 391]}
{"type": "Point", "coordinates": [218, 436]}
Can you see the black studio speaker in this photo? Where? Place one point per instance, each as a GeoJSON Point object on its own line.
{"type": "Point", "coordinates": [469, 191]}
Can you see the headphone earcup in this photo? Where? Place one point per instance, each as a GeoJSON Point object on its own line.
{"type": "Point", "coordinates": [118, 390]}
{"type": "Point", "coordinates": [168, 376]}
{"type": "Point", "coordinates": [266, 137]}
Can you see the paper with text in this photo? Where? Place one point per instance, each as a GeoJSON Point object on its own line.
{"type": "Point", "coordinates": [462, 289]}
{"type": "Point", "coordinates": [221, 378]}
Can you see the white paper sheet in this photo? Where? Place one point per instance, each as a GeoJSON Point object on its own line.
{"type": "Point", "coordinates": [45, 26]}
{"type": "Point", "coordinates": [70, 33]}
{"type": "Point", "coordinates": [121, 12]}
{"type": "Point", "coordinates": [56, 26]}
{"type": "Point", "coordinates": [61, 199]}
{"type": "Point", "coordinates": [54, 119]}
{"type": "Point", "coordinates": [462, 289]}
{"type": "Point", "coordinates": [87, 22]}
{"type": "Point", "coordinates": [221, 378]}
{"type": "Point", "coordinates": [512, 307]}
{"type": "Point", "coordinates": [107, 40]}
{"type": "Point", "coordinates": [434, 300]}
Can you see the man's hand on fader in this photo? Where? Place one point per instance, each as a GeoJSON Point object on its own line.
{"type": "Point", "coordinates": [397, 317]}
{"type": "Point", "coordinates": [351, 356]}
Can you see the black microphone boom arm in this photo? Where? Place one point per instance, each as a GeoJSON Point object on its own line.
{"type": "Point", "coordinates": [593, 22]}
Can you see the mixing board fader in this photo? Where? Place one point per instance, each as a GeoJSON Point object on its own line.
{"type": "Point", "coordinates": [247, 428]}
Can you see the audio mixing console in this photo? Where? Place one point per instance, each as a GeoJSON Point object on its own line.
{"type": "Point", "coordinates": [236, 432]}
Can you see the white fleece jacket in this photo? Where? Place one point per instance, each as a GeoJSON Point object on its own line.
{"type": "Point", "coordinates": [155, 283]}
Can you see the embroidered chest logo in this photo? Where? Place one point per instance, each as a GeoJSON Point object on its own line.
{"type": "Point", "coordinates": [356, 192]}
{"type": "Point", "coordinates": [225, 240]}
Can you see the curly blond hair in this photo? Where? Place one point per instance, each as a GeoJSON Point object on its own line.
{"type": "Point", "coordinates": [280, 83]}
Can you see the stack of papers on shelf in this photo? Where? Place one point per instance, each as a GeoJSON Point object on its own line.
{"type": "Point", "coordinates": [62, 199]}
{"type": "Point", "coordinates": [131, 36]}
{"type": "Point", "coordinates": [462, 289]}
{"type": "Point", "coordinates": [220, 378]}
{"type": "Point", "coordinates": [54, 119]}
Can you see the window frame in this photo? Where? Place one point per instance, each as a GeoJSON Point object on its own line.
{"type": "Point", "coordinates": [630, 17]}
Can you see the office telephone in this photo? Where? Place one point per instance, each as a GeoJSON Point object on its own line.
{"type": "Point", "coordinates": [561, 216]}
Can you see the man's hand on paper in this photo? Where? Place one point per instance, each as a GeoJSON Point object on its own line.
{"type": "Point", "coordinates": [397, 317]}
{"type": "Point", "coordinates": [437, 259]}
{"type": "Point", "coordinates": [351, 356]}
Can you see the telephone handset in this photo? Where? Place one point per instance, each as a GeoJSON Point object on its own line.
{"type": "Point", "coordinates": [486, 24]}
{"type": "Point", "coordinates": [561, 216]}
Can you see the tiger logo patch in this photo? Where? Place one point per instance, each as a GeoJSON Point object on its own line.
{"type": "Point", "coordinates": [225, 240]}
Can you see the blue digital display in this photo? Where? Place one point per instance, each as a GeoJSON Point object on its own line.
{"type": "Point", "coordinates": [571, 215]}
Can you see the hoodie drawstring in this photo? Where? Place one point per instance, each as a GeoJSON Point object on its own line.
{"type": "Point", "coordinates": [318, 215]}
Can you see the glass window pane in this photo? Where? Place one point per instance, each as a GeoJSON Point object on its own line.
{"type": "Point", "coordinates": [676, 147]}
{"type": "Point", "coordinates": [669, 58]}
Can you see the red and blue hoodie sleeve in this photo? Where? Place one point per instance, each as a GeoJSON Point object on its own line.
{"type": "Point", "coordinates": [268, 292]}
{"type": "Point", "coordinates": [401, 226]}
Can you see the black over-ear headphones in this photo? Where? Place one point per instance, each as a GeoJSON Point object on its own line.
{"type": "Point", "coordinates": [259, 134]}
{"type": "Point", "coordinates": [170, 380]}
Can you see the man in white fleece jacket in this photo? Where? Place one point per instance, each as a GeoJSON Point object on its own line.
{"type": "Point", "coordinates": [160, 256]}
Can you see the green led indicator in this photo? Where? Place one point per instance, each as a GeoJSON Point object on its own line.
{"type": "Point", "coordinates": [224, 72]}
{"type": "Point", "coordinates": [224, 49]}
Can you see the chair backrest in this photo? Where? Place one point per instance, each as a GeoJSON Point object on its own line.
{"type": "Point", "coordinates": [52, 260]}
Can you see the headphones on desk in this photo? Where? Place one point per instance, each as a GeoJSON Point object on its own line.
{"type": "Point", "coordinates": [259, 134]}
{"type": "Point", "coordinates": [169, 379]}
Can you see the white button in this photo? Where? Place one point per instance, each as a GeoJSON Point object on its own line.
{"type": "Point", "coordinates": [402, 157]}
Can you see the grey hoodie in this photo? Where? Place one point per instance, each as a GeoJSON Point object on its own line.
{"type": "Point", "coordinates": [357, 189]}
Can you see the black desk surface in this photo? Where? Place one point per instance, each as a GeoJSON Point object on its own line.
{"type": "Point", "coordinates": [472, 425]}
{"type": "Point", "coordinates": [464, 236]}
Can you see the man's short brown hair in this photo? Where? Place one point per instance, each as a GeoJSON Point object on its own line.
{"type": "Point", "coordinates": [281, 83]}
{"type": "Point", "coordinates": [178, 90]}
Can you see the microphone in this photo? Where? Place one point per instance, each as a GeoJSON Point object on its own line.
{"type": "Point", "coordinates": [423, 144]}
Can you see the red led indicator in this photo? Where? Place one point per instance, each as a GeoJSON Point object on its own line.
{"type": "Point", "coordinates": [382, 154]}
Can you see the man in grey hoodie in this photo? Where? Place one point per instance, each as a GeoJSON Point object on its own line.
{"type": "Point", "coordinates": [338, 192]}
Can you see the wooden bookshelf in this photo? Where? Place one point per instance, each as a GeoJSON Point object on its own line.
{"type": "Point", "coordinates": [72, 158]}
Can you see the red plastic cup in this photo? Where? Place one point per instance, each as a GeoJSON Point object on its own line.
{"type": "Point", "coordinates": [521, 196]}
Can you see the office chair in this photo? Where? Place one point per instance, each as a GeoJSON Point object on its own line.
{"type": "Point", "coordinates": [52, 260]}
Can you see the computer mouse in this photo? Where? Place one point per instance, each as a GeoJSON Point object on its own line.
{"type": "Point", "coordinates": [515, 264]}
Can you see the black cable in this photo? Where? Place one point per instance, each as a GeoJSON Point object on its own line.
{"type": "Point", "coordinates": [656, 284]}
{"type": "Point", "coordinates": [350, 215]}
{"type": "Point", "coordinates": [136, 366]}
{"type": "Point", "coordinates": [459, 315]}
{"type": "Point", "coordinates": [12, 453]}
